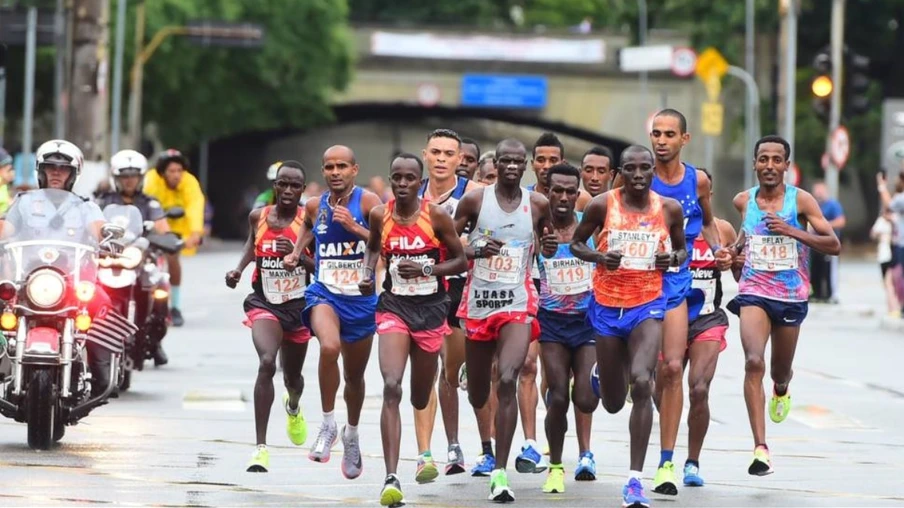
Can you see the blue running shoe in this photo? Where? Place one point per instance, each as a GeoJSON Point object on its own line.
{"type": "Point", "coordinates": [485, 465]}
{"type": "Point", "coordinates": [530, 460]}
{"type": "Point", "coordinates": [692, 476]}
{"type": "Point", "coordinates": [586, 470]}
{"type": "Point", "coordinates": [633, 495]}
{"type": "Point", "coordinates": [595, 380]}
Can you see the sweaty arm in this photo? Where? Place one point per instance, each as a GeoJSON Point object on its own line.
{"type": "Point", "coordinates": [823, 238]}
{"type": "Point", "coordinates": [584, 198]}
{"type": "Point", "coordinates": [306, 234]}
{"type": "Point", "coordinates": [675, 220]}
{"type": "Point", "coordinates": [540, 206]}
{"type": "Point", "coordinates": [374, 239]}
{"type": "Point", "coordinates": [248, 249]}
{"type": "Point", "coordinates": [444, 228]}
{"type": "Point", "coordinates": [466, 215]}
{"type": "Point", "coordinates": [740, 203]}
{"type": "Point", "coordinates": [710, 230]}
{"type": "Point", "coordinates": [727, 234]}
{"type": "Point", "coordinates": [594, 218]}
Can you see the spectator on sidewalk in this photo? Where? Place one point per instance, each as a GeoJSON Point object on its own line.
{"type": "Point", "coordinates": [883, 232]}
{"type": "Point", "coordinates": [824, 269]}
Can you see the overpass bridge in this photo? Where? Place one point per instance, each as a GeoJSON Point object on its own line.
{"type": "Point", "coordinates": [486, 86]}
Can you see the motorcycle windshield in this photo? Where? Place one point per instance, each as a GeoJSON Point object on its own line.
{"type": "Point", "coordinates": [50, 228]}
{"type": "Point", "coordinates": [127, 217]}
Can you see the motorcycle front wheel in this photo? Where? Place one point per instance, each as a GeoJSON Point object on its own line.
{"type": "Point", "coordinates": [41, 399]}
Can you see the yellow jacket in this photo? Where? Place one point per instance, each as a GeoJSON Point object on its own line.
{"type": "Point", "coordinates": [187, 195]}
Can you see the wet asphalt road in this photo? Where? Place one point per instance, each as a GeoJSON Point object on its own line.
{"type": "Point", "coordinates": [183, 434]}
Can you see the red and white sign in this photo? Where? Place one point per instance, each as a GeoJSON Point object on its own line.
{"type": "Point", "coordinates": [840, 146]}
{"type": "Point", "coordinates": [428, 94]}
{"type": "Point", "coordinates": [684, 62]}
{"type": "Point", "coordinates": [793, 176]}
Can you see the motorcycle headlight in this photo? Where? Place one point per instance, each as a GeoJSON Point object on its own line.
{"type": "Point", "coordinates": [45, 288]}
{"type": "Point", "coordinates": [130, 257]}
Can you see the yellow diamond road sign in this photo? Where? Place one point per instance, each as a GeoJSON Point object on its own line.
{"type": "Point", "coordinates": [711, 62]}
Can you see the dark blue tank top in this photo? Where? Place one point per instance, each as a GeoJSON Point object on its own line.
{"type": "Point", "coordinates": [338, 253]}
{"type": "Point", "coordinates": [685, 193]}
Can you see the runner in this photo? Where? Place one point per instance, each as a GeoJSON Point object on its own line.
{"type": "Point", "coordinates": [774, 285]}
{"type": "Point", "coordinates": [567, 342]}
{"type": "Point", "coordinates": [470, 154]}
{"type": "Point", "coordinates": [642, 236]}
{"type": "Point", "coordinates": [442, 156]}
{"type": "Point", "coordinates": [596, 170]}
{"type": "Point", "coordinates": [273, 309]}
{"type": "Point", "coordinates": [418, 242]}
{"type": "Point", "coordinates": [690, 187]}
{"type": "Point", "coordinates": [500, 302]}
{"type": "Point", "coordinates": [337, 313]}
{"type": "Point", "coordinates": [706, 339]}
{"type": "Point", "coordinates": [486, 169]}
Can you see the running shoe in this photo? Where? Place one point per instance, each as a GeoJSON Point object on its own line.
{"type": "Point", "coordinates": [426, 469]}
{"type": "Point", "coordinates": [499, 488]}
{"type": "Point", "coordinates": [260, 461]}
{"type": "Point", "coordinates": [595, 380]}
{"type": "Point", "coordinates": [463, 378]}
{"type": "Point", "coordinates": [326, 439]}
{"type": "Point", "coordinates": [779, 406]}
{"type": "Point", "coordinates": [529, 461]}
{"type": "Point", "coordinates": [296, 427]}
{"type": "Point", "coordinates": [391, 495]}
{"type": "Point", "coordinates": [692, 476]}
{"type": "Point", "coordinates": [485, 465]}
{"type": "Point", "coordinates": [632, 495]}
{"type": "Point", "coordinates": [665, 481]}
{"type": "Point", "coordinates": [176, 317]}
{"type": "Point", "coordinates": [555, 480]}
{"type": "Point", "coordinates": [586, 470]}
{"type": "Point", "coordinates": [761, 464]}
{"type": "Point", "coordinates": [351, 456]}
{"type": "Point", "coordinates": [455, 463]}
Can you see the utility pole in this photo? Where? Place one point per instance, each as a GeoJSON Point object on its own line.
{"type": "Point", "coordinates": [59, 74]}
{"type": "Point", "coordinates": [751, 116]}
{"type": "Point", "coordinates": [116, 120]}
{"type": "Point", "coordinates": [87, 122]}
{"type": "Point", "coordinates": [29, 100]}
{"type": "Point", "coordinates": [790, 69]}
{"type": "Point", "coordinates": [136, 77]}
{"type": "Point", "coordinates": [837, 82]}
{"type": "Point", "coordinates": [644, 78]}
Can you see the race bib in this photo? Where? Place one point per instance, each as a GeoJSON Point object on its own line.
{"type": "Point", "coordinates": [342, 275]}
{"type": "Point", "coordinates": [772, 253]}
{"type": "Point", "coordinates": [567, 276]}
{"type": "Point", "coordinates": [419, 286]}
{"type": "Point", "coordinates": [280, 286]}
{"type": "Point", "coordinates": [504, 267]}
{"type": "Point", "coordinates": [709, 294]}
{"type": "Point", "coordinates": [638, 248]}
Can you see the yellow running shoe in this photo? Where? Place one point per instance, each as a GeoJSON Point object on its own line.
{"type": "Point", "coordinates": [260, 461]}
{"type": "Point", "coordinates": [665, 481]}
{"type": "Point", "coordinates": [779, 406]}
{"type": "Point", "coordinates": [761, 465]}
{"type": "Point", "coordinates": [426, 469]}
{"type": "Point", "coordinates": [296, 427]}
{"type": "Point", "coordinates": [555, 480]}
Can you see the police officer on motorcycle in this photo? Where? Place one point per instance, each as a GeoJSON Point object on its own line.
{"type": "Point", "coordinates": [59, 164]}
{"type": "Point", "coordinates": [128, 168]}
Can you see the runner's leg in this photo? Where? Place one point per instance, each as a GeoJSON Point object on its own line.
{"type": "Point", "coordinates": [704, 356]}
{"type": "Point", "coordinates": [453, 358]}
{"type": "Point", "coordinates": [325, 326]}
{"type": "Point", "coordinates": [514, 343]}
{"type": "Point", "coordinates": [355, 356]}
{"type": "Point", "coordinates": [557, 360]}
{"type": "Point", "coordinates": [670, 378]}
{"type": "Point", "coordinates": [643, 349]}
{"type": "Point", "coordinates": [755, 329]}
{"type": "Point", "coordinates": [393, 351]}
{"type": "Point", "coordinates": [293, 355]}
{"type": "Point", "coordinates": [267, 336]}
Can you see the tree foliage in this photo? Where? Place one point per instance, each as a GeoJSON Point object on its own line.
{"type": "Point", "coordinates": [193, 92]}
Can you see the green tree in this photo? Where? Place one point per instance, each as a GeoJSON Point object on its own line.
{"type": "Point", "coordinates": [194, 92]}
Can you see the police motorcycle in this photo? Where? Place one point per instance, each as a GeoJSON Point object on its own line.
{"type": "Point", "coordinates": [138, 285]}
{"type": "Point", "coordinates": [46, 289]}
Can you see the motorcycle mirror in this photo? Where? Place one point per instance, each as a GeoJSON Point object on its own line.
{"type": "Point", "coordinates": [176, 212]}
{"type": "Point", "coordinates": [112, 231]}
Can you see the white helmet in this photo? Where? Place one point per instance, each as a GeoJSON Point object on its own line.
{"type": "Point", "coordinates": [128, 161]}
{"type": "Point", "coordinates": [59, 152]}
{"type": "Point", "coordinates": [273, 170]}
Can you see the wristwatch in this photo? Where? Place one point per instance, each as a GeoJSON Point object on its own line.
{"type": "Point", "coordinates": [427, 270]}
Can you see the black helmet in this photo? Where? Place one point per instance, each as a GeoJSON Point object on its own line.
{"type": "Point", "coordinates": [168, 156]}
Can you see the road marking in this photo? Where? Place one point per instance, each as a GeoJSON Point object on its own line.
{"type": "Point", "coordinates": [818, 417]}
{"type": "Point", "coordinates": [214, 400]}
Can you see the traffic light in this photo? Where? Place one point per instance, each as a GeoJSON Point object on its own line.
{"type": "Point", "coordinates": [856, 83]}
{"type": "Point", "coordinates": [822, 84]}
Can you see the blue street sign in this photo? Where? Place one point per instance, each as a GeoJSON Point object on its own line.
{"type": "Point", "coordinates": [503, 91]}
